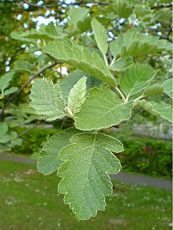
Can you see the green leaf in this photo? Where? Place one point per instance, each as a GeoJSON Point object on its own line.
{"type": "Point", "coordinates": [84, 25]}
{"type": "Point", "coordinates": [14, 139]}
{"type": "Point", "coordinates": [4, 137]}
{"type": "Point", "coordinates": [22, 65]}
{"type": "Point", "coordinates": [53, 31]}
{"type": "Point", "coordinates": [10, 91]}
{"type": "Point", "coordinates": [85, 181]}
{"type": "Point", "coordinates": [48, 161]}
{"type": "Point", "coordinates": [48, 32]}
{"type": "Point", "coordinates": [121, 64]}
{"type": "Point", "coordinates": [158, 108]}
{"type": "Point", "coordinates": [100, 36]}
{"type": "Point", "coordinates": [23, 36]}
{"type": "Point", "coordinates": [47, 100]}
{"type": "Point", "coordinates": [5, 81]}
{"type": "Point", "coordinates": [122, 8]}
{"type": "Point", "coordinates": [135, 79]}
{"type": "Point", "coordinates": [69, 81]}
{"type": "Point", "coordinates": [80, 57]}
{"type": "Point", "coordinates": [102, 109]}
{"type": "Point", "coordinates": [77, 15]}
{"type": "Point", "coordinates": [3, 129]}
{"type": "Point", "coordinates": [135, 44]}
{"type": "Point", "coordinates": [142, 12]}
{"type": "Point", "coordinates": [155, 89]}
{"type": "Point", "coordinates": [77, 96]}
{"type": "Point", "coordinates": [168, 87]}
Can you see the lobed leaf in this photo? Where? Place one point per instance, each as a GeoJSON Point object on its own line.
{"type": "Point", "coordinates": [123, 8]}
{"type": "Point", "coordinates": [135, 44]}
{"type": "Point", "coordinates": [80, 57]}
{"type": "Point", "coordinates": [85, 181]}
{"type": "Point", "coordinates": [48, 161]}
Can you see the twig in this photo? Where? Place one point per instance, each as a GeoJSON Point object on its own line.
{"type": "Point", "coordinates": [166, 38]}
{"type": "Point", "coordinates": [65, 3]}
{"type": "Point", "coordinates": [39, 6]}
{"type": "Point", "coordinates": [162, 6]}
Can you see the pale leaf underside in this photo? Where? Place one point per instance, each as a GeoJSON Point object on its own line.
{"type": "Point", "coordinates": [47, 100]}
{"type": "Point", "coordinates": [77, 96]}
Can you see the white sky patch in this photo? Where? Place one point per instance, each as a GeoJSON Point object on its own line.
{"type": "Point", "coordinates": [63, 22]}
{"type": "Point", "coordinates": [23, 46]}
{"type": "Point", "coordinates": [19, 16]}
{"type": "Point", "coordinates": [90, 4]}
{"type": "Point", "coordinates": [121, 20]}
{"type": "Point", "coordinates": [41, 20]}
{"type": "Point", "coordinates": [63, 70]}
{"type": "Point", "coordinates": [25, 6]}
{"type": "Point", "coordinates": [53, 12]}
{"type": "Point", "coordinates": [25, 25]}
{"type": "Point", "coordinates": [48, 12]}
{"type": "Point", "coordinates": [111, 36]}
{"type": "Point", "coordinates": [69, 1]}
{"type": "Point", "coordinates": [38, 53]}
{"type": "Point", "coordinates": [7, 69]}
{"type": "Point", "coordinates": [39, 3]}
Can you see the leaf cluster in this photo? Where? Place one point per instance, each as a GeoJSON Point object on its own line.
{"type": "Point", "coordinates": [110, 77]}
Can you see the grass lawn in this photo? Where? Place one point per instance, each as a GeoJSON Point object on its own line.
{"type": "Point", "coordinates": [28, 201]}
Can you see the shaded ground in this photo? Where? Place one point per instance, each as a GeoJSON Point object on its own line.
{"type": "Point", "coordinates": [29, 201]}
{"type": "Point", "coordinates": [129, 178]}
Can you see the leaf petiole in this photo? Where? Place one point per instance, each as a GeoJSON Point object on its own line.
{"type": "Point", "coordinates": [121, 94]}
